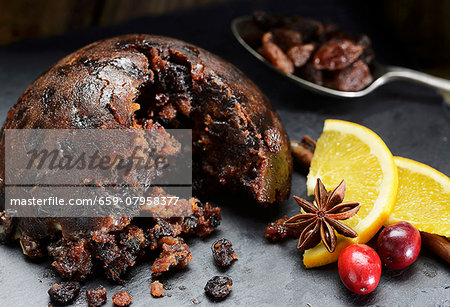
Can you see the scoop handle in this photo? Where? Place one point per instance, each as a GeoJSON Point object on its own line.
{"type": "Point", "coordinates": [397, 73]}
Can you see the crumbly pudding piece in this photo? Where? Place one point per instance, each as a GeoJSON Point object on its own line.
{"type": "Point", "coordinates": [122, 298]}
{"type": "Point", "coordinates": [157, 289]}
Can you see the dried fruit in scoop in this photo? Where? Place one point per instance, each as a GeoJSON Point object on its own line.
{"type": "Point", "coordinates": [319, 53]}
{"type": "Point", "coordinates": [300, 54]}
{"type": "Point", "coordinates": [337, 54]}
{"type": "Point", "coordinates": [352, 78]}
{"type": "Point", "coordinates": [276, 55]}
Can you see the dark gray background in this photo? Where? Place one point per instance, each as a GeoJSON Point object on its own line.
{"type": "Point", "coordinates": [413, 121]}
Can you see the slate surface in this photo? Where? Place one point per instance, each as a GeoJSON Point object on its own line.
{"type": "Point", "coordinates": [413, 121]}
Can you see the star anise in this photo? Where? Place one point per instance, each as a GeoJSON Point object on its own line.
{"type": "Point", "coordinates": [320, 218]}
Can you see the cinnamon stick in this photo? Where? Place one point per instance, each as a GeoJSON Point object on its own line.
{"type": "Point", "coordinates": [437, 244]}
{"type": "Point", "coordinates": [303, 151]}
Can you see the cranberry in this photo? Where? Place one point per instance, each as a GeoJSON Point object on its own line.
{"type": "Point", "coordinates": [359, 268]}
{"type": "Point", "coordinates": [399, 245]}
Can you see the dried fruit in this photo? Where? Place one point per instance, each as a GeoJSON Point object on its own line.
{"type": "Point", "coordinates": [337, 54]}
{"type": "Point", "coordinates": [319, 220]}
{"type": "Point", "coordinates": [309, 73]}
{"type": "Point", "coordinates": [118, 252]}
{"type": "Point", "coordinates": [162, 229]}
{"type": "Point", "coordinates": [300, 54]}
{"type": "Point", "coordinates": [31, 247]}
{"type": "Point", "coordinates": [7, 227]}
{"type": "Point", "coordinates": [157, 289]}
{"type": "Point", "coordinates": [96, 297]}
{"type": "Point", "coordinates": [122, 298]}
{"type": "Point", "coordinates": [352, 78]}
{"type": "Point", "coordinates": [64, 292]}
{"type": "Point", "coordinates": [275, 54]}
{"type": "Point", "coordinates": [223, 252]}
{"type": "Point", "coordinates": [218, 286]}
{"type": "Point", "coordinates": [285, 38]}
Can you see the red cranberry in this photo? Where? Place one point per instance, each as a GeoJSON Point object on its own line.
{"type": "Point", "coordinates": [359, 268]}
{"type": "Point", "coordinates": [399, 245]}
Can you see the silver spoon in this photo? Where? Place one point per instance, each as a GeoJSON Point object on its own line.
{"type": "Point", "coordinates": [381, 74]}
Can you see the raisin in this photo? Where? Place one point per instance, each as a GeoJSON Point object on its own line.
{"type": "Point", "coordinates": [368, 55]}
{"type": "Point", "coordinates": [122, 298]}
{"type": "Point", "coordinates": [285, 38]}
{"type": "Point", "coordinates": [309, 73]}
{"type": "Point", "coordinates": [353, 78]}
{"type": "Point", "coordinates": [31, 247]}
{"type": "Point", "coordinates": [132, 238]}
{"type": "Point", "coordinates": [300, 54]}
{"type": "Point", "coordinates": [64, 292]}
{"type": "Point", "coordinates": [105, 246]}
{"type": "Point", "coordinates": [157, 289]}
{"type": "Point", "coordinates": [276, 231]}
{"type": "Point", "coordinates": [119, 252]}
{"type": "Point", "coordinates": [189, 224]}
{"type": "Point", "coordinates": [208, 218]}
{"type": "Point", "coordinates": [223, 252]}
{"type": "Point", "coordinates": [275, 55]}
{"type": "Point", "coordinates": [7, 228]}
{"type": "Point", "coordinates": [218, 286]}
{"type": "Point", "coordinates": [337, 54]}
{"type": "Point", "coordinates": [214, 220]}
{"type": "Point", "coordinates": [162, 229]}
{"type": "Point", "coordinates": [96, 297]}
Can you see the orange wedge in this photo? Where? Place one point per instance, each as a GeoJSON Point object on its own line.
{"type": "Point", "coordinates": [423, 197]}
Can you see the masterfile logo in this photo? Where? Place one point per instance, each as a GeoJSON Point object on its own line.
{"type": "Point", "coordinates": [97, 172]}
